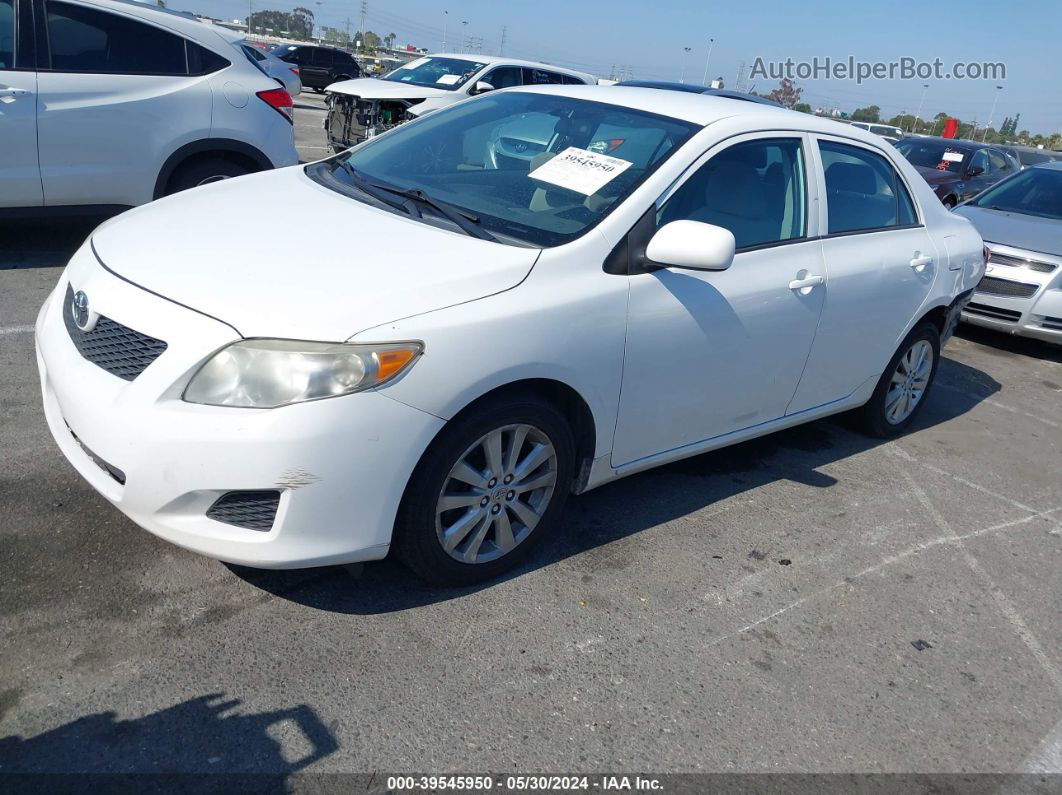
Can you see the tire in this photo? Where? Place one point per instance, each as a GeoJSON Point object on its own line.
{"type": "Point", "coordinates": [202, 171]}
{"type": "Point", "coordinates": [422, 522]}
{"type": "Point", "coordinates": [317, 90]}
{"type": "Point", "coordinates": [879, 417]}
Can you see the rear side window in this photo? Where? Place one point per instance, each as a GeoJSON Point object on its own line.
{"type": "Point", "coordinates": [82, 39]}
{"type": "Point", "coordinates": [572, 81]}
{"type": "Point", "coordinates": [202, 61]}
{"type": "Point", "coordinates": [863, 190]}
{"type": "Point", "coordinates": [7, 34]}
{"type": "Point", "coordinates": [538, 77]}
{"type": "Point", "coordinates": [755, 189]}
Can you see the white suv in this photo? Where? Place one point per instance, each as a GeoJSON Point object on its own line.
{"type": "Point", "coordinates": [118, 103]}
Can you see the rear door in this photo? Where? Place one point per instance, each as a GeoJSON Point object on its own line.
{"type": "Point", "coordinates": [880, 265]}
{"type": "Point", "coordinates": [318, 66]}
{"type": "Point", "coordinates": [20, 176]}
{"type": "Point", "coordinates": [115, 99]}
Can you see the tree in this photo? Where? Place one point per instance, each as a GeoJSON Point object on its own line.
{"type": "Point", "coordinates": [787, 94]}
{"type": "Point", "coordinates": [389, 40]}
{"type": "Point", "coordinates": [803, 107]}
{"type": "Point", "coordinates": [335, 36]}
{"type": "Point", "coordinates": [368, 39]}
{"type": "Point", "coordinates": [301, 22]}
{"type": "Point", "coordinates": [871, 113]}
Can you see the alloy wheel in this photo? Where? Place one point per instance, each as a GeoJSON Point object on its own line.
{"type": "Point", "coordinates": [909, 382]}
{"type": "Point", "coordinates": [496, 493]}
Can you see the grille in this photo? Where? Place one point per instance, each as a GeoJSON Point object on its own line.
{"type": "Point", "coordinates": [1018, 262]}
{"type": "Point", "coordinates": [118, 349]}
{"type": "Point", "coordinates": [992, 286]}
{"type": "Point", "coordinates": [992, 312]}
{"type": "Point", "coordinates": [254, 510]}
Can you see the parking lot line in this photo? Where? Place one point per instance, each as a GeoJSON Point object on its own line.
{"type": "Point", "coordinates": [16, 330]}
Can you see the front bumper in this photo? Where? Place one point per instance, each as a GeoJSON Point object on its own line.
{"type": "Point", "coordinates": [1038, 314]}
{"type": "Point", "coordinates": [339, 464]}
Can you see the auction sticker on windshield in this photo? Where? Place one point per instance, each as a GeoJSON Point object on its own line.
{"type": "Point", "coordinates": [580, 170]}
{"type": "Point", "coordinates": [954, 157]}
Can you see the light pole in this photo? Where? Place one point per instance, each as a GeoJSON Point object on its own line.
{"type": "Point", "coordinates": [446, 16]}
{"type": "Point", "coordinates": [707, 60]}
{"type": "Point", "coordinates": [250, 13]}
{"type": "Point", "coordinates": [991, 113]}
{"type": "Point", "coordinates": [918, 113]}
{"type": "Point", "coordinates": [468, 44]}
{"type": "Point", "coordinates": [684, 61]}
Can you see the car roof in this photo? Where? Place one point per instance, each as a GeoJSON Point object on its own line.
{"type": "Point", "coordinates": [703, 109]}
{"type": "Point", "coordinates": [1052, 165]}
{"type": "Point", "coordinates": [501, 59]}
{"type": "Point", "coordinates": [184, 24]}
{"type": "Point", "coordinates": [957, 143]}
{"type": "Point", "coordinates": [691, 88]}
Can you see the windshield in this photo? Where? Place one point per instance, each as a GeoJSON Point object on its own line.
{"type": "Point", "coordinates": [491, 158]}
{"type": "Point", "coordinates": [446, 73]}
{"type": "Point", "coordinates": [1035, 191]}
{"type": "Point", "coordinates": [932, 154]}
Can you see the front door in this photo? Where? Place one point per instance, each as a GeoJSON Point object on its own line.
{"type": "Point", "coordinates": [20, 176]}
{"type": "Point", "coordinates": [709, 353]}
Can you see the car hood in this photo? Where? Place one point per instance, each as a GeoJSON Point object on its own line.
{"type": "Point", "coordinates": [277, 255]}
{"type": "Point", "coordinates": [937, 177]}
{"type": "Point", "coordinates": [1015, 229]}
{"type": "Point", "coordinates": [369, 88]}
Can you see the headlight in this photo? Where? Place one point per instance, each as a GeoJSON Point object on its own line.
{"type": "Point", "coordinates": [269, 373]}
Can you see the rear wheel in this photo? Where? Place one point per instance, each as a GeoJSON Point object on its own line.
{"type": "Point", "coordinates": [902, 389]}
{"type": "Point", "coordinates": [487, 491]}
{"type": "Point", "coordinates": [203, 171]}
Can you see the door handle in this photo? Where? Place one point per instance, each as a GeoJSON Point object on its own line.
{"type": "Point", "coordinates": [13, 92]}
{"type": "Point", "coordinates": [921, 262]}
{"type": "Point", "coordinates": [806, 285]}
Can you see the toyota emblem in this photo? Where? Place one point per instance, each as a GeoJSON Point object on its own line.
{"type": "Point", "coordinates": [79, 311]}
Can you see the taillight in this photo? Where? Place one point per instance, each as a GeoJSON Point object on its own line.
{"type": "Point", "coordinates": [280, 101]}
{"type": "Point", "coordinates": [295, 69]}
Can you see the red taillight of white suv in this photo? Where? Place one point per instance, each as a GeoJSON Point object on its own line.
{"type": "Point", "coordinates": [280, 101]}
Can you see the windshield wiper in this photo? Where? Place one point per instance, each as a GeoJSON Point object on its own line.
{"type": "Point", "coordinates": [466, 222]}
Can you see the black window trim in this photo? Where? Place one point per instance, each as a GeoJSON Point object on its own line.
{"type": "Point", "coordinates": [919, 215]}
{"type": "Point", "coordinates": [45, 51]}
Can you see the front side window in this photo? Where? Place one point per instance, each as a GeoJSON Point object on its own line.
{"type": "Point", "coordinates": [863, 190]}
{"type": "Point", "coordinates": [7, 34]}
{"type": "Point", "coordinates": [755, 189]}
{"type": "Point", "coordinates": [504, 77]}
{"type": "Point", "coordinates": [445, 73]}
{"type": "Point", "coordinates": [998, 160]}
{"type": "Point", "coordinates": [980, 161]}
{"type": "Point", "coordinates": [492, 158]}
{"type": "Point", "coordinates": [83, 39]}
{"type": "Point", "coordinates": [322, 57]}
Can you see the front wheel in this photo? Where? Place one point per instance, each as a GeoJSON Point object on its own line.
{"type": "Point", "coordinates": [902, 389]}
{"type": "Point", "coordinates": [487, 491]}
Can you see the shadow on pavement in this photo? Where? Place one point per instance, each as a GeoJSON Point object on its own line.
{"type": "Point", "coordinates": [1010, 344]}
{"type": "Point", "coordinates": [633, 504]}
{"type": "Point", "coordinates": [195, 736]}
{"type": "Point", "coordinates": [44, 242]}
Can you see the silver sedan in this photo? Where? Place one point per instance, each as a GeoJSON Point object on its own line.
{"type": "Point", "coordinates": [284, 73]}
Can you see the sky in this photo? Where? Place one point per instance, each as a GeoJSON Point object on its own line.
{"type": "Point", "coordinates": [650, 38]}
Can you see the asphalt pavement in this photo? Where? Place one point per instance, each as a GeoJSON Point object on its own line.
{"type": "Point", "coordinates": [811, 601]}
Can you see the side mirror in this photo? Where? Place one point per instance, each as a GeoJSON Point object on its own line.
{"type": "Point", "coordinates": [481, 87]}
{"type": "Point", "coordinates": [974, 171]}
{"type": "Point", "coordinates": [692, 244]}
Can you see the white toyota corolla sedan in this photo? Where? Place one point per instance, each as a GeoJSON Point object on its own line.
{"type": "Point", "coordinates": [524, 295]}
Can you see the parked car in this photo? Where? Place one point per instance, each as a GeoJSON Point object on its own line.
{"type": "Point", "coordinates": [504, 335]}
{"type": "Point", "coordinates": [886, 131]}
{"type": "Point", "coordinates": [957, 170]}
{"type": "Point", "coordinates": [319, 67]}
{"type": "Point", "coordinates": [287, 74]}
{"type": "Point", "coordinates": [360, 109]}
{"type": "Point", "coordinates": [118, 103]}
{"type": "Point", "coordinates": [1030, 155]}
{"type": "Point", "coordinates": [690, 88]}
{"type": "Point", "coordinates": [1020, 220]}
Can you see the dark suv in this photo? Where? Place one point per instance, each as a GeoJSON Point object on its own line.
{"type": "Point", "coordinates": [319, 67]}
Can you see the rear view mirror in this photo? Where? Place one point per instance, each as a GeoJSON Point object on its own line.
{"type": "Point", "coordinates": [482, 87]}
{"type": "Point", "coordinates": [974, 171]}
{"type": "Point", "coordinates": [692, 244]}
